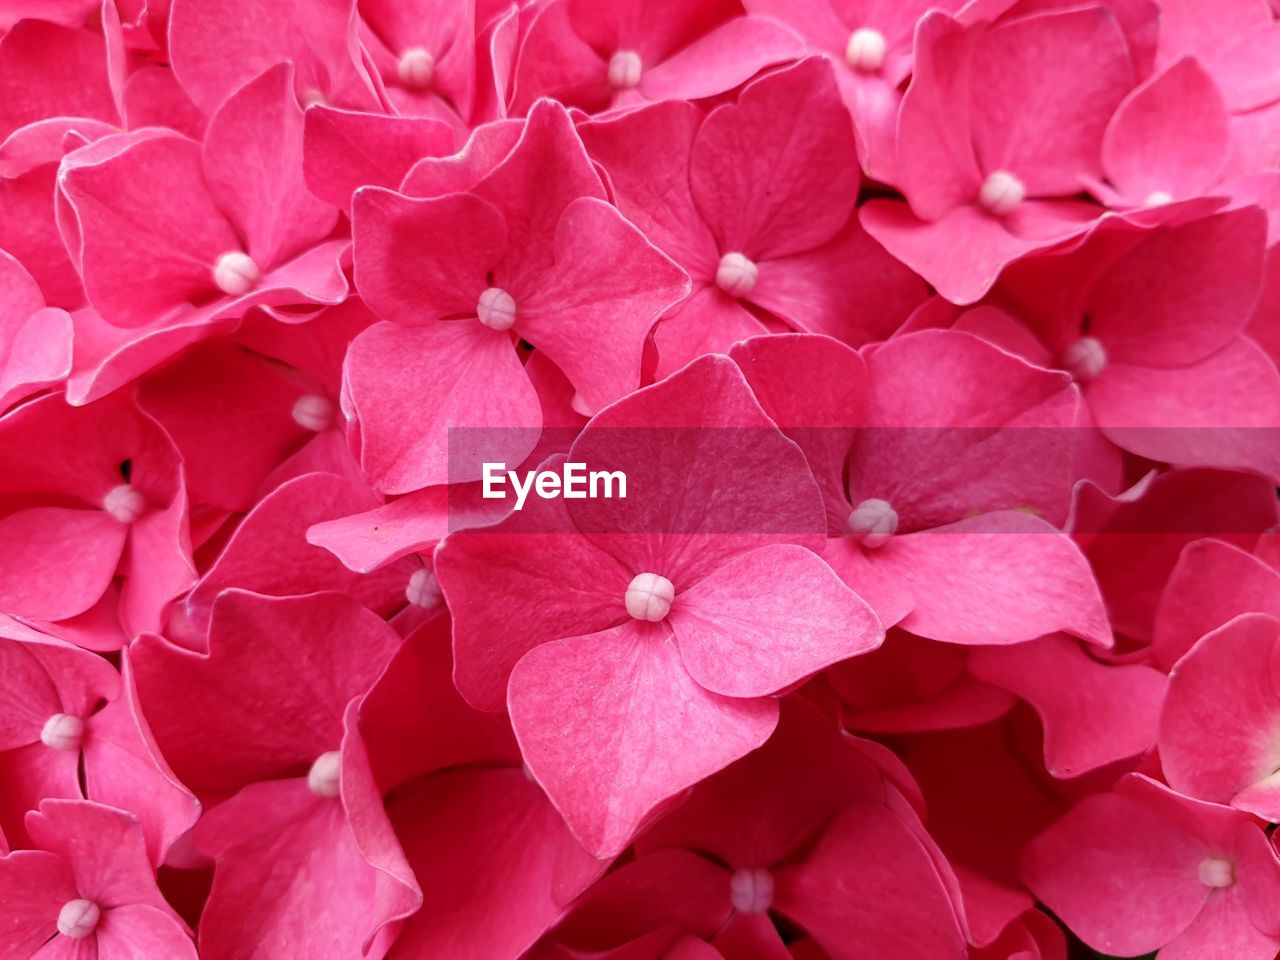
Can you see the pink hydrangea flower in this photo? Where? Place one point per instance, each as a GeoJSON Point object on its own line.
{"type": "Point", "coordinates": [770, 229]}
{"type": "Point", "coordinates": [85, 888]}
{"type": "Point", "coordinates": [1145, 868]}
{"type": "Point", "coordinates": [716, 609]}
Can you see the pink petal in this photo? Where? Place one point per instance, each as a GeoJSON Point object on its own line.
{"type": "Point", "coordinates": [1212, 583]}
{"type": "Point", "coordinates": [721, 59]}
{"type": "Point", "coordinates": [34, 885]}
{"type": "Point", "coordinates": [268, 553]}
{"type": "Point", "coordinates": [710, 321]}
{"type": "Point", "coordinates": [849, 288]}
{"type": "Point", "coordinates": [815, 389]}
{"type": "Point", "coordinates": [104, 848]}
{"type": "Point", "coordinates": [652, 187]}
{"type": "Point", "coordinates": [253, 165]}
{"type": "Point", "coordinates": [546, 170]}
{"type": "Point", "coordinates": [775, 174]}
{"type": "Point", "coordinates": [49, 70]}
{"type": "Point", "coordinates": [1122, 870]}
{"type": "Point", "coordinates": [218, 49]}
{"type": "Point", "coordinates": [1169, 135]}
{"type": "Point", "coordinates": [608, 286]}
{"type": "Point", "coordinates": [251, 727]}
{"type": "Point", "coordinates": [870, 890]}
{"type": "Point", "coordinates": [40, 577]}
{"type": "Point", "coordinates": [399, 275]}
{"type": "Point", "coordinates": [1223, 703]}
{"type": "Point", "coordinates": [344, 150]}
{"type": "Point", "coordinates": [929, 453]}
{"type": "Point", "coordinates": [488, 847]}
{"type": "Point", "coordinates": [408, 401]}
{"type": "Point", "coordinates": [416, 695]}
{"type": "Point", "coordinates": [326, 897]}
{"type": "Point", "coordinates": [1044, 87]}
{"type": "Point", "coordinates": [1221, 411]}
{"type": "Point", "coordinates": [999, 578]}
{"type": "Point", "coordinates": [145, 255]}
{"type": "Point", "coordinates": [139, 931]}
{"type": "Point", "coordinates": [1181, 294]}
{"type": "Point", "coordinates": [638, 729]}
{"type": "Point", "coordinates": [559, 581]}
{"type": "Point", "coordinates": [230, 413]}
{"type": "Point", "coordinates": [1093, 713]}
{"type": "Point", "coordinates": [123, 768]}
{"type": "Point", "coordinates": [767, 619]}
{"type": "Point", "coordinates": [963, 253]}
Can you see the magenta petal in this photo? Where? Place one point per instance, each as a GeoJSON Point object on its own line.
{"type": "Point", "coordinates": [1223, 411]}
{"type": "Point", "coordinates": [253, 165]}
{"type": "Point", "coordinates": [1044, 87]}
{"type": "Point", "coordinates": [561, 583]}
{"type": "Point", "coordinates": [999, 578]}
{"type": "Point", "coordinates": [399, 273]}
{"type": "Point", "coordinates": [721, 59]}
{"type": "Point", "coordinates": [135, 931]}
{"type": "Point", "coordinates": [612, 725]}
{"type": "Point", "coordinates": [269, 554]}
{"type": "Point", "coordinates": [607, 288]}
{"type": "Point", "coordinates": [776, 173]}
{"type": "Point", "coordinates": [34, 884]}
{"type": "Point", "coordinates": [253, 727]}
{"type": "Point", "coordinates": [485, 845]}
{"type": "Point", "coordinates": [410, 385]}
{"type": "Point", "coordinates": [1093, 713]}
{"type": "Point", "coordinates": [767, 619]}
{"type": "Point", "coordinates": [1223, 703]}
{"type": "Point", "coordinates": [1212, 583]}
{"type": "Point", "coordinates": [144, 255]}
{"type": "Point", "coordinates": [870, 891]}
{"type": "Point", "coordinates": [1169, 135]}
{"type": "Point", "coordinates": [964, 251]}
{"type": "Point", "coordinates": [344, 150]}
{"type": "Point", "coordinates": [56, 562]}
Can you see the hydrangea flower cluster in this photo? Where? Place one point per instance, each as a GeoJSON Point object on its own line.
{"type": "Point", "coordinates": [936, 344]}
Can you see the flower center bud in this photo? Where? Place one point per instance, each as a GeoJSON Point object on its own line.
{"type": "Point", "coordinates": [1217, 873]}
{"type": "Point", "coordinates": [736, 275]}
{"type": "Point", "coordinates": [78, 918]}
{"type": "Point", "coordinates": [416, 68]}
{"type": "Point", "coordinates": [751, 890]}
{"type": "Point", "coordinates": [866, 50]}
{"type": "Point", "coordinates": [649, 597]}
{"type": "Point", "coordinates": [62, 731]}
{"type": "Point", "coordinates": [1085, 359]}
{"type": "Point", "coordinates": [1157, 198]}
{"type": "Point", "coordinates": [235, 273]}
{"type": "Point", "coordinates": [1001, 193]}
{"type": "Point", "coordinates": [625, 68]}
{"type": "Point", "coordinates": [313, 412]}
{"type": "Point", "coordinates": [323, 777]}
{"type": "Point", "coordinates": [423, 589]}
{"type": "Point", "coordinates": [496, 309]}
{"type": "Point", "coordinates": [873, 522]}
{"type": "Point", "coordinates": [125, 502]}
